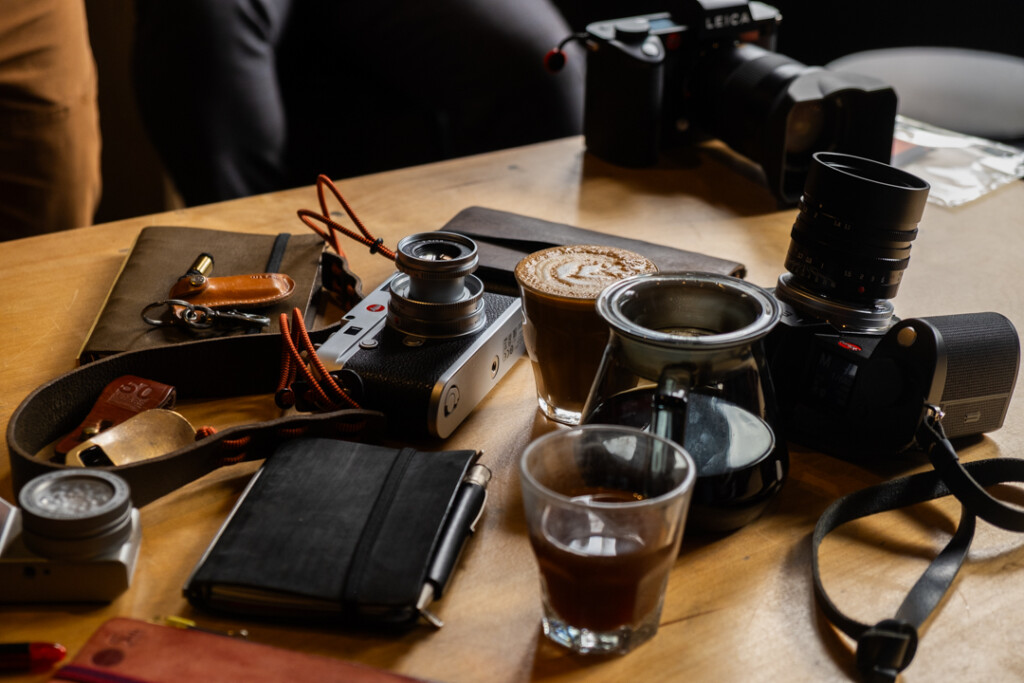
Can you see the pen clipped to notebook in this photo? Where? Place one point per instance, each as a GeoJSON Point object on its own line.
{"type": "Point", "coordinates": [461, 524]}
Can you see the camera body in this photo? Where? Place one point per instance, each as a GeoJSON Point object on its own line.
{"type": "Point", "coordinates": [75, 538]}
{"type": "Point", "coordinates": [401, 351]}
{"type": "Point", "coordinates": [862, 393]}
{"type": "Point", "coordinates": [709, 69]}
{"type": "Point", "coordinates": [851, 379]}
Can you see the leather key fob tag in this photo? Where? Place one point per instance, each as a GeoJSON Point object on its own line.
{"type": "Point", "coordinates": [126, 396]}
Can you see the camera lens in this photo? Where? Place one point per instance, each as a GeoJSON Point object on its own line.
{"type": "Point", "coordinates": [436, 295]}
{"type": "Point", "coordinates": [75, 514]}
{"type": "Point", "coordinates": [777, 111]}
{"type": "Point", "coordinates": [851, 239]}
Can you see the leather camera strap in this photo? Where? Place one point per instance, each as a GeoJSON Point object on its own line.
{"type": "Point", "coordinates": [217, 368]}
{"type": "Point", "coordinates": [957, 476]}
{"type": "Point", "coordinates": [888, 647]}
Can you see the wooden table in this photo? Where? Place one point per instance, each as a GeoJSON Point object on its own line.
{"type": "Point", "coordinates": [739, 607]}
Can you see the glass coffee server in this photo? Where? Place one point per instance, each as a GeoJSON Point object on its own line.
{"type": "Point", "coordinates": [685, 360]}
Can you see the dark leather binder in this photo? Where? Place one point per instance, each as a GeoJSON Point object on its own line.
{"type": "Point", "coordinates": [333, 530]}
{"type": "Point", "coordinates": [503, 238]}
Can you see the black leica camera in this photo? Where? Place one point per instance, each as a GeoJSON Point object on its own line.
{"type": "Point", "coordinates": [850, 378]}
{"type": "Point", "coordinates": [426, 346]}
{"type": "Point", "coordinates": [75, 538]}
{"type": "Point", "coordinates": [708, 68]}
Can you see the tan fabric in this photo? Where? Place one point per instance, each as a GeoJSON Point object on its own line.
{"type": "Point", "coordinates": [49, 121]}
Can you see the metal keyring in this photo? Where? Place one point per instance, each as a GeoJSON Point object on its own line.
{"type": "Point", "coordinates": [199, 317]}
{"type": "Point", "coordinates": [194, 316]}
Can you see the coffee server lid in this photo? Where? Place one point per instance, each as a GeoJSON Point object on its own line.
{"type": "Point", "coordinates": [648, 308]}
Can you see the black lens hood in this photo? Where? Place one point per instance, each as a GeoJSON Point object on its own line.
{"type": "Point", "coordinates": [865, 193]}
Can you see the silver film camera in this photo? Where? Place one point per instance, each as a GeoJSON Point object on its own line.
{"type": "Point", "coordinates": [75, 538]}
{"type": "Point", "coordinates": [426, 346]}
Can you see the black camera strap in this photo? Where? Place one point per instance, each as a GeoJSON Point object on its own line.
{"type": "Point", "coordinates": [888, 647]}
{"type": "Point", "coordinates": [968, 490]}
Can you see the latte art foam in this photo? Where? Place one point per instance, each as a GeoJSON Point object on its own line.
{"type": "Point", "coordinates": [579, 271]}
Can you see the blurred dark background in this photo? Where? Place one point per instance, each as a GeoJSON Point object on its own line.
{"type": "Point", "coordinates": [812, 31]}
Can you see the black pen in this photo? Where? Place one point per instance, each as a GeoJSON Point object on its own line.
{"type": "Point", "coordinates": [466, 511]}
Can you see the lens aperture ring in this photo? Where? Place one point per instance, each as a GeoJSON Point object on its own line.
{"type": "Point", "coordinates": [837, 274]}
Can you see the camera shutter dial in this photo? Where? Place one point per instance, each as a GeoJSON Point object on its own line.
{"type": "Point", "coordinates": [633, 30]}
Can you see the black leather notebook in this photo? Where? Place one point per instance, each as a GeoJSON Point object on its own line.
{"type": "Point", "coordinates": [334, 530]}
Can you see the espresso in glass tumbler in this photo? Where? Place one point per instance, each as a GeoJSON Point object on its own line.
{"type": "Point", "coordinates": [606, 506]}
{"type": "Point", "coordinates": [565, 337]}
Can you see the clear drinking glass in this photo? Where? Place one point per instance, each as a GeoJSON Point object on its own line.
{"type": "Point", "coordinates": [606, 506]}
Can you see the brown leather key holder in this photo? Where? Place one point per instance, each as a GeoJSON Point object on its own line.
{"type": "Point", "coordinates": [234, 291]}
{"type": "Point", "coordinates": [201, 303]}
{"type": "Point", "coordinates": [216, 368]}
{"type": "Point", "coordinates": [231, 291]}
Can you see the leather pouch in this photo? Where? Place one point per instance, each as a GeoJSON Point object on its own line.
{"type": "Point", "coordinates": [333, 530]}
{"type": "Point", "coordinates": [162, 253]}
